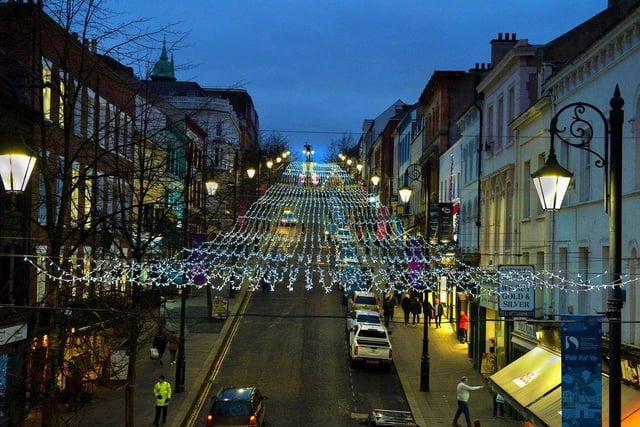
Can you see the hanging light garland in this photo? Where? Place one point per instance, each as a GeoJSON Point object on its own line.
{"type": "Point", "coordinates": [286, 255]}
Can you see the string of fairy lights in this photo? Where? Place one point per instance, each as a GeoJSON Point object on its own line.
{"type": "Point", "coordinates": [316, 226]}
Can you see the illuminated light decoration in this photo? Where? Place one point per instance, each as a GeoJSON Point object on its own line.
{"type": "Point", "coordinates": [213, 260]}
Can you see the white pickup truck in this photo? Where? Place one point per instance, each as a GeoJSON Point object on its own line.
{"type": "Point", "coordinates": [369, 345]}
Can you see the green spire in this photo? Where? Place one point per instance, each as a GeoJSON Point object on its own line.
{"type": "Point", "coordinates": [163, 70]}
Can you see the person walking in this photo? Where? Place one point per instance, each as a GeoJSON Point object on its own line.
{"type": "Point", "coordinates": [498, 406]}
{"type": "Point", "coordinates": [462, 395]}
{"type": "Point", "coordinates": [428, 312]}
{"type": "Point", "coordinates": [416, 310]}
{"type": "Point", "coordinates": [387, 308]}
{"type": "Point", "coordinates": [173, 348]}
{"type": "Point", "coordinates": [162, 394]}
{"type": "Point", "coordinates": [438, 311]}
{"type": "Point", "coordinates": [406, 307]}
{"type": "Point", "coordinates": [160, 343]}
{"type": "Point", "coordinates": [463, 325]}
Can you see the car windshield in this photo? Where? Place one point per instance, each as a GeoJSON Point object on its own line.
{"type": "Point", "coordinates": [368, 318]}
{"type": "Point", "coordinates": [232, 409]}
{"type": "Point", "coordinates": [366, 300]}
{"type": "Point", "coordinates": [372, 333]}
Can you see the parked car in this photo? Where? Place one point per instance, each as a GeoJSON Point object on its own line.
{"type": "Point", "coordinates": [288, 219]}
{"type": "Point", "coordinates": [344, 235]}
{"type": "Point", "coordinates": [347, 254]}
{"type": "Point", "coordinates": [352, 279]}
{"type": "Point", "coordinates": [369, 345]}
{"type": "Point", "coordinates": [364, 301]}
{"type": "Point", "coordinates": [390, 418]}
{"type": "Point", "coordinates": [237, 406]}
{"type": "Point", "coordinates": [355, 317]}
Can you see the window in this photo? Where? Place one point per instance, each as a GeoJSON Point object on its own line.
{"type": "Point", "coordinates": [75, 194]}
{"type": "Point", "coordinates": [585, 175]}
{"type": "Point", "coordinates": [91, 105]}
{"type": "Point", "coordinates": [102, 121]}
{"type": "Point", "coordinates": [541, 161]}
{"type": "Point", "coordinates": [77, 112]}
{"type": "Point", "coordinates": [526, 190]}
{"type": "Point", "coordinates": [47, 80]}
{"type": "Point", "coordinates": [500, 126]}
{"type": "Point", "coordinates": [511, 111]}
{"type": "Point", "coordinates": [88, 196]}
{"type": "Point", "coordinates": [62, 88]}
{"type": "Point", "coordinates": [490, 130]}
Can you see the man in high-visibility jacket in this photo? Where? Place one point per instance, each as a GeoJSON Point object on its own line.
{"type": "Point", "coordinates": [162, 394]}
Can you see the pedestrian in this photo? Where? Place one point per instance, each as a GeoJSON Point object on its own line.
{"type": "Point", "coordinates": [463, 325]}
{"type": "Point", "coordinates": [498, 406]}
{"type": "Point", "coordinates": [416, 310]}
{"type": "Point", "coordinates": [160, 343]}
{"type": "Point", "coordinates": [162, 394]}
{"type": "Point", "coordinates": [387, 308]}
{"type": "Point", "coordinates": [462, 395]}
{"type": "Point", "coordinates": [264, 284]}
{"type": "Point", "coordinates": [428, 311]}
{"type": "Point", "coordinates": [438, 311]}
{"type": "Point", "coordinates": [406, 307]}
{"type": "Point", "coordinates": [173, 348]}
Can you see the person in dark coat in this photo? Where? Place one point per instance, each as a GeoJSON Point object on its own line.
{"type": "Point", "coordinates": [406, 307]}
{"type": "Point", "coordinates": [438, 311]}
{"type": "Point", "coordinates": [428, 312]}
{"type": "Point", "coordinates": [388, 305]}
{"type": "Point", "coordinates": [416, 309]}
{"type": "Point", "coordinates": [160, 342]}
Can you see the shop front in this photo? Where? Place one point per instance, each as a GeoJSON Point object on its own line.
{"type": "Point", "coordinates": [532, 386]}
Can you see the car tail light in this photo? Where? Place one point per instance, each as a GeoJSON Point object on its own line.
{"type": "Point", "coordinates": [253, 421]}
{"type": "Point", "coordinates": [355, 350]}
{"type": "Point", "coordinates": [390, 353]}
{"type": "Point", "coordinates": [209, 420]}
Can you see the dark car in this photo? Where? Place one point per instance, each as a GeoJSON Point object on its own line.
{"type": "Point", "coordinates": [237, 406]}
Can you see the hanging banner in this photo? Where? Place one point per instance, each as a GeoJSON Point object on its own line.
{"type": "Point", "coordinates": [581, 370]}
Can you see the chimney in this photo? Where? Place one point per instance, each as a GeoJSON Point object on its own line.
{"type": "Point", "coordinates": [500, 47]}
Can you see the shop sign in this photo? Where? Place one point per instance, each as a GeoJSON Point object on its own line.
{"type": "Point", "coordinates": [13, 333]}
{"type": "Point", "coordinates": [516, 291]}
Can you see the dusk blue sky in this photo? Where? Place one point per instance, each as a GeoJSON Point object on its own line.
{"type": "Point", "coordinates": [317, 69]}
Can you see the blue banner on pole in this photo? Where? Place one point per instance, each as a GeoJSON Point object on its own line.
{"type": "Point", "coordinates": [582, 370]}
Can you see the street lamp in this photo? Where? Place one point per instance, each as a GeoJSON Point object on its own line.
{"type": "Point", "coordinates": [413, 172]}
{"type": "Point", "coordinates": [16, 165]}
{"type": "Point", "coordinates": [308, 151]}
{"type": "Point", "coordinates": [551, 182]}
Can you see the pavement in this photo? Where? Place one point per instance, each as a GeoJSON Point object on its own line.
{"type": "Point", "coordinates": [204, 337]}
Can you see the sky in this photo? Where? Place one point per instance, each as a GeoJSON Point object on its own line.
{"type": "Point", "coordinates": [317, 69]}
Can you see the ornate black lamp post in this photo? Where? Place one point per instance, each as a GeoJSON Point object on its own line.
{"type": "Point", "coordinates": [551, 182]}
{"type": "Point", "coordinates": [413, 172]}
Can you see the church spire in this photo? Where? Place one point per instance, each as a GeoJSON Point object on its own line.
{"type": "Point", "coordinates": [163, 69]}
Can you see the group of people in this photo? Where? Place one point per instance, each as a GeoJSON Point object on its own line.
{"type": "Point", "coordinates": [413, 308]}
{"type": "Point", "coordinates": [160, 342]}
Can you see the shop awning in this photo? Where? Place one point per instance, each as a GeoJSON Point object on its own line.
{"type": "Point", "coordinates": [533, 382]}
{"type": "Point", "coordinates": [530, 377]}
{"type": "Point", "coordinates": [548, 409]}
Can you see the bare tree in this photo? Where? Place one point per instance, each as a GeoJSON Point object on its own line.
{"type": "Point", "coordinates": [340, 145]}
{"type": "Point", "coordinates": [87, 190]}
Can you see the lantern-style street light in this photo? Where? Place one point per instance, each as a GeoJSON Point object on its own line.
{"type": "Point", "coordinates": [551, 182]}
{"type": "Point", "coordinates": [16, 165]}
